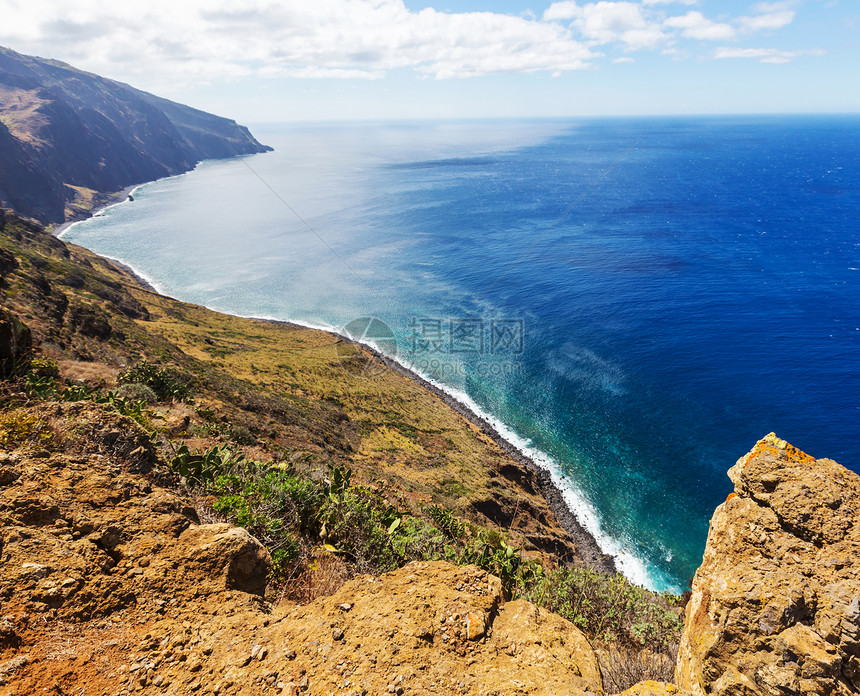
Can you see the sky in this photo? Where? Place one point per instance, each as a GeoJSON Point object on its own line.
{"type": "Point", "coordinates": [318, 60]}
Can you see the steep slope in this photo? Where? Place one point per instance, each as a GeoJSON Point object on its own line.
{"type": "Point", "coordinates": [111, 585]}
{"type": "Point", "coordinates": [276, 392]}
{"type": "Point", "coordinates": [127, 418]}
{"type": "Point", "coordinates": [67, 135]}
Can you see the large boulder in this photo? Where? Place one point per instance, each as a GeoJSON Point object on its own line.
{"type": "Point", "coordinates": [776, 602]}
{"type": "Point", "coordinates": [83, 535]}
{"type": "Point", "coordinates": [435, 628]}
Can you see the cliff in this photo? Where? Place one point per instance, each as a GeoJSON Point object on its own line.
{"type": "Point", "coordinates": [776, 602]}
{"type": "Point", "coordinates": [68, 137]}
{"type": "Point", "coordinates": [385, 543]}
{"type": "Point", "coordinates": [128, 418]}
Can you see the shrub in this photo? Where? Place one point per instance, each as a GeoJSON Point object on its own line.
{"type": "Point", "coordinates": [447, 523]}
{"type": "Point", "coordinates": [608, 608]}
{"type": "Point", "coordinates": [136, 410]}
{"type": "Point", "coordinates": [200, 468]}
{"type": "Point", "coordinates": [135, 391]}
{"type": "Point", "coordinates": [241, 435]}
{"type": "Point", "coordinates": [623, 667]}
{"type": "Point", "coordinates": [490, 551]}
{"type": "Point", "coordinates": [75, 392]}
{"type": "Point", "coordinates": [19, 428]}
{"type": "Point", "coordinates": [355, 527]}
{"type": "Point", "coordinates": [43, 367]}
{"type": "Point", "coordinates": [167, 383]}
{"type": "Point", "coordinates": [40, 387]}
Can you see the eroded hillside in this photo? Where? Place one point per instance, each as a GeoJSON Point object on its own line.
{"type": "Point", "coordinates": [69, 138]}
{"type": "Point", "coordinates": [385, 543]}
{"type": "Point", "coordinates": [338, 469]}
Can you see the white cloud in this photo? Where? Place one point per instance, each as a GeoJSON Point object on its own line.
{"type": "Point", "coordinates": [609, 22]}
{"type": "Point", "coordinates": [767, 21]}
{"type": "Point", "coordinates": [567, 9]}
{"type": "Point", "coordinates": [670, 2]}
{"type": "Point", "coordinates": [694, 25]}
{"type": "Point", "coordinates": [172, 44]}
{"type": "Point", "coordinates": [765, 55]}
{"type": "Point", "coordinates": [198, 40]}
{"type": "Point", "coordinates": [766, 7]}
{"type": "Point", "coordinates": [623, 60]}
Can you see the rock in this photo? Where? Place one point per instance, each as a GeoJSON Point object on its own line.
{"type": "Point", "coordinates": [775, 607]}
{"type": "Point", "coordinates": [653, 688]}
{"type": "Point", "coordinates": [8, 634]}
{"type": "Point", "coordinates": [15, 344]}
{"type": "Point", "coordinates": [543, 641]}
{"type": "Point", "coordinates": [390, 612]}
{"type": "Point", "coordinates": [220, 557]}
{"type": "Point", "coordinates": [113, 536]}
{"type": "Point", "coordinates": [475, 626]}
{"type": "Point", "coordinates": [10, 667]}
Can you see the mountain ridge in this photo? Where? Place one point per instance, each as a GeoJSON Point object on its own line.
{"type": "Point", "coordinates": [69, 139]}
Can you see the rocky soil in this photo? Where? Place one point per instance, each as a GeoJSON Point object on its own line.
{"type": "Point", "coordinates": [110, 585]}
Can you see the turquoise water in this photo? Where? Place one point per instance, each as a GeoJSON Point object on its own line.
{"type": "Point", "coordinates": [635, 302]}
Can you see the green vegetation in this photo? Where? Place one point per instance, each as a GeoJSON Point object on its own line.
{"type": "Point", "coordinates": [165, 382]}
{"type": "Point", "coordinates": [335, 471]}
{"type": "Point", "coordinates": [608, 607]}
{"type": "Point", "coordinates": [298, 514]}
{"type": "Point", "coordinates": [304, 518]}
{"type": "Point", "coordinates": [38, 386]}
{"type": "Point", "coordinates": [135, 391]}
{"type": "Point", "coordinates": [43, 368]}
{"type": "Point", "coordinates": [18, 428]}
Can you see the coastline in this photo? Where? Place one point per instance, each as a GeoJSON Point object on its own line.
{"type": "Point", "coordinates": [106, 201]}
{"type": "Point", "coordinates": [586, 543]}
{"type": "Point", "coordinates": [139, 279]}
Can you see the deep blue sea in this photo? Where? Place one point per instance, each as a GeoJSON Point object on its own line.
{"type": "Point", "coordinates": [636, 302]}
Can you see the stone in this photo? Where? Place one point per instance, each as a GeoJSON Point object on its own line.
{"type": "Point", "coordinates": [475, 626]}
{"type": "Point", "coordinates": [654, 688]}
{"type": "Point", "coordinates": [775, 606]}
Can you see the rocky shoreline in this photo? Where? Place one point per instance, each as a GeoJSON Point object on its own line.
{"type": "Point", "coordinates": [584, 541]}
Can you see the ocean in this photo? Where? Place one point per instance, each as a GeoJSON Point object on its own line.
{"type": "Point", "coordinates": [634, 302]}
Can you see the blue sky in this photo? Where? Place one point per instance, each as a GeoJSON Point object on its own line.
{"type": "Point", "coordinates": [258, 60]}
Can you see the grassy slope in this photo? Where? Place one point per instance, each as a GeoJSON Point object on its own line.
{"type": "Point", "coordinates": [299, 391]}
{"type": "Point", "coordinates": [301, 398]}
